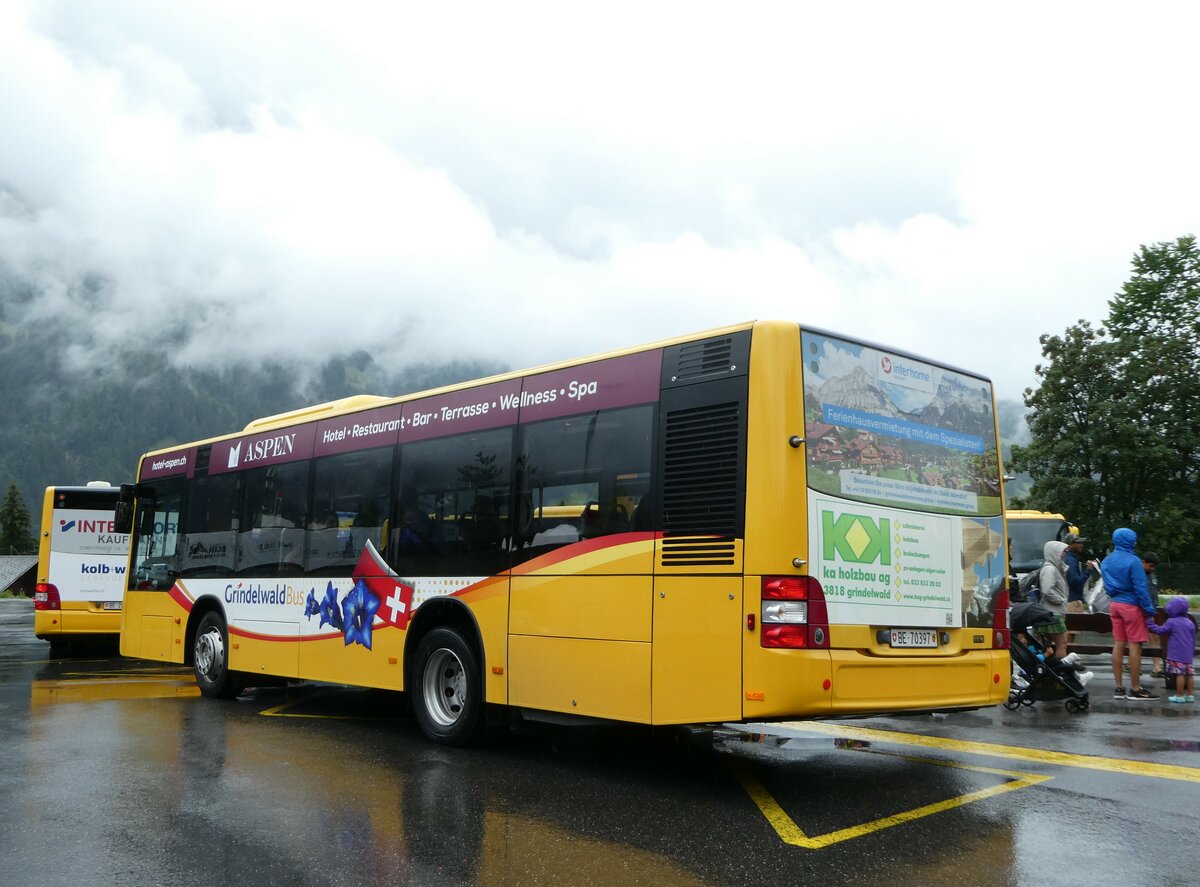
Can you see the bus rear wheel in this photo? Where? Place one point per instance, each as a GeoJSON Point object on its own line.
{"type": "Point", "coordinates": [210, 660]}
{"type": "Point", "coordinates": [447, 690]}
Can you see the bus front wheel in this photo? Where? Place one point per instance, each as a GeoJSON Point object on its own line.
{"type": "Point", "coordinates": [210, 659]}
{"type": "Point", "coordinates": [447, 691]}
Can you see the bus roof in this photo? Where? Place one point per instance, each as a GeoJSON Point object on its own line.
{"type": "Point", "coordinates": [361, 402]}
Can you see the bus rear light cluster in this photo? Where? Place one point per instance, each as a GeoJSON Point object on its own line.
{"type": "Point", "coordinates": [793, 613]}
{"type": "Point", "coordinates": [45, 597]}
{"type": "Point", "coordinates": [1001, 634]}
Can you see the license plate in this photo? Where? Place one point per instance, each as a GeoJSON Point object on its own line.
{"type": "Point", "coordinates": [913, 637]}
{"type": "Point", "coordinates": [111, 605]}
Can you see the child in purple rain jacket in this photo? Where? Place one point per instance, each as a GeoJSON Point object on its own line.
{"type": "Point", "coordinates": [1180, 633]}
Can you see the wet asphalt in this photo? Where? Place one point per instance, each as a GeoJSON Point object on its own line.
{"type": "Point", "coordinates": [119, 773]}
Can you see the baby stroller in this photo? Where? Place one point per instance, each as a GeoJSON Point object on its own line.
{"type": "Point", "coordinates": [1037, 677]}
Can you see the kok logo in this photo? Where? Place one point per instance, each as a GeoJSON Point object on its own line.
{"type": "Point", "coordinates": [886, 364]}
{"type": "Point", "coordinates": [855, 539]}
{"type": "Point", "coordinates": [66, 525]}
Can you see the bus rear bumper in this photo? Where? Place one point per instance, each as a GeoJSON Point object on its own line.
{"type": "Point", "coordinates": [874, 684]}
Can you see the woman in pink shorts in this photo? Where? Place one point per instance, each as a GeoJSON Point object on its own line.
{"type": "Point", "coordinates": [1125, 585]}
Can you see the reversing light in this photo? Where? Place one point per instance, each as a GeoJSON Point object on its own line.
{"type": "Point", "coordinates": [785, 611]}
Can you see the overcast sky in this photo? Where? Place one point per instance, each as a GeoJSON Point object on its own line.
{"type": "Point", "coordinates": [527, 182]}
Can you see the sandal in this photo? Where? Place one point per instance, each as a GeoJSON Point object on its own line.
{"type": "Point", "coordinates": [1158, 674]}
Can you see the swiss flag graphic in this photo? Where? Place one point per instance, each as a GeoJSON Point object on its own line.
{"type": "Point", "coordinates": [395, 596]}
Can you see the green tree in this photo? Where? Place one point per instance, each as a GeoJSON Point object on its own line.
{"type": "Point", "coordinates": [15, 536]}
{"type": "Point", "coordinates": [1115, 420]}
{"type": "Point", "coordinates": [1156, 317]}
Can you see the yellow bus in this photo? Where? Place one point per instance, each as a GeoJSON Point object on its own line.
{"type": "Point", "coordinates": [753, 523]}
{"type": "Point", "coordinates": [1028, 532]}
{"type": "Point", "coordinates": [81, 565]}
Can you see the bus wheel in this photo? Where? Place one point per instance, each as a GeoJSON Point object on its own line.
{"type": "Point", "coordinates": [447, 691]}
{"type": "Point", "coordinates": [210, 662]}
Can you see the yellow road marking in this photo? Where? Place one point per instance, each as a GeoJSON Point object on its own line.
{"type": "Point", "coordinates": [1059, 758]}
{"type": "Point", "coordinates": [792, 834]}
{"type": "Point", "coordinates": [280, 711]}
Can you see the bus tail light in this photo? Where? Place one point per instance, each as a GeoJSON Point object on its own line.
{"type": "Point", "coordinates": [45, 597]}
{"type": "Point", "coordinates": [793, 613]}
{"type": "Point", "coordinates": [1001, 635]}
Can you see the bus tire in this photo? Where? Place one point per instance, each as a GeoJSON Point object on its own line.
{"type": "Point", "coordinates": [210, 659]}
{"type": "Point", "coordinates": [447, 690]}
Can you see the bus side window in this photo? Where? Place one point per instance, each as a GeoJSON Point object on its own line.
{"type": "Point", "coordinates": [584, 476]}
{"type": "Point", "coordinates": [455, 491]}
{"type": "Point", "coordinates": [350, 505]}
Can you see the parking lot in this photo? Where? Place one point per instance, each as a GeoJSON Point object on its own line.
{"type": "Point", "coordinates": [118, 772]}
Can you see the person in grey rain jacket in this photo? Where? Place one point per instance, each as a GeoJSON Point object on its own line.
{"type": "Point", "coordinates": [1053, 590]}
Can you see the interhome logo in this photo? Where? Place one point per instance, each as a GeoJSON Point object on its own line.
{"type": "Point", "coordinates": [855, 538]}
{"type": "Point", "coordinates": [258, 450]}
{"type": "Point", "coordinates": [87, 526]}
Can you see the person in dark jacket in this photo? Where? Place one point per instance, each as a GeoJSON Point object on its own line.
{"type": "Point", "coordinates": [1150, 565]}
{"type": "Point", "coordinates": [1125, 584]}
{"type": "Point", "coordinates": [1078, 572]}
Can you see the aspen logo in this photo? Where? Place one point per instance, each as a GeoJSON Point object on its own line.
{"type": "Point", "coordinates": [855, 538]}
{"type": "Point", "coordinates": [258, 450]}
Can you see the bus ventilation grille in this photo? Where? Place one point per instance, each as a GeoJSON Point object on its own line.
{"type": "Point", "coordinates": [698, 551]}
{"type": "Point", "coordinates": [700, 486]}
{"type": "Point", "coordinates": [699, 360]}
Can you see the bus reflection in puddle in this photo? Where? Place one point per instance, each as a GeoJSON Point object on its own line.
{"type": "Point", "coordinates": [98, 688]}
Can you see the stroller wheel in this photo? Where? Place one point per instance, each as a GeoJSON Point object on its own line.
{"type": "Point", "coordinates": [1074, 706]}
{"type": "Point", "coordinates": [1012, 704]}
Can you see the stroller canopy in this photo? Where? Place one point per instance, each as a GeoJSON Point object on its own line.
{"type": "Point", "coordinates": [1023, 617]}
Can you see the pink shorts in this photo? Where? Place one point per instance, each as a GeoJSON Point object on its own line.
{"type": "Point", "coordinates": [1128, 623]}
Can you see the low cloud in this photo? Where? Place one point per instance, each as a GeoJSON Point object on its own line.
{"type": "Point", "coordinates": [280, 182]}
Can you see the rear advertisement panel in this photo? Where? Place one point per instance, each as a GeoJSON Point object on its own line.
{"type": "Point", "coordinates": [882, 566]}
{"type": "Point", "coordinates": [88, 559]}
{"type": "Point", "coordinates": [904, 476]}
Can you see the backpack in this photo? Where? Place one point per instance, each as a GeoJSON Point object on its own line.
{"type": "Point", "coordinates": [1027, 587]}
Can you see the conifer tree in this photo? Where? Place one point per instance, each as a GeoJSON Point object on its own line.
{"type": "Point", "coordinates": [15, 535]}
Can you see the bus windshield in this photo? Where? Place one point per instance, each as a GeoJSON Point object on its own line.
{"type": "Point", "coordinates": [1028, 535]}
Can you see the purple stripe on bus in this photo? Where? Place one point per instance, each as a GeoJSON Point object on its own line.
{"type": "Point", "coordinates": [359, 431]}
{"type": "Point", "coordinates": [474, 409]}
{"type": "Point", "coordinates": [608, 384]}
{"type": "Point", "coordinates": [265, 448]}
{"type": "Point", "coordinates": [617, 382]}
{"type": "Point", "coordinates": [169, 464]}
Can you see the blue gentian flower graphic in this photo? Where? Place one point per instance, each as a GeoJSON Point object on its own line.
{"type": "Point", "coordinates": [358, 608]}
{"type": "Point", "coordinates": [311, 607]}
{"type": "Point", "coordinates": [331, 614]}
